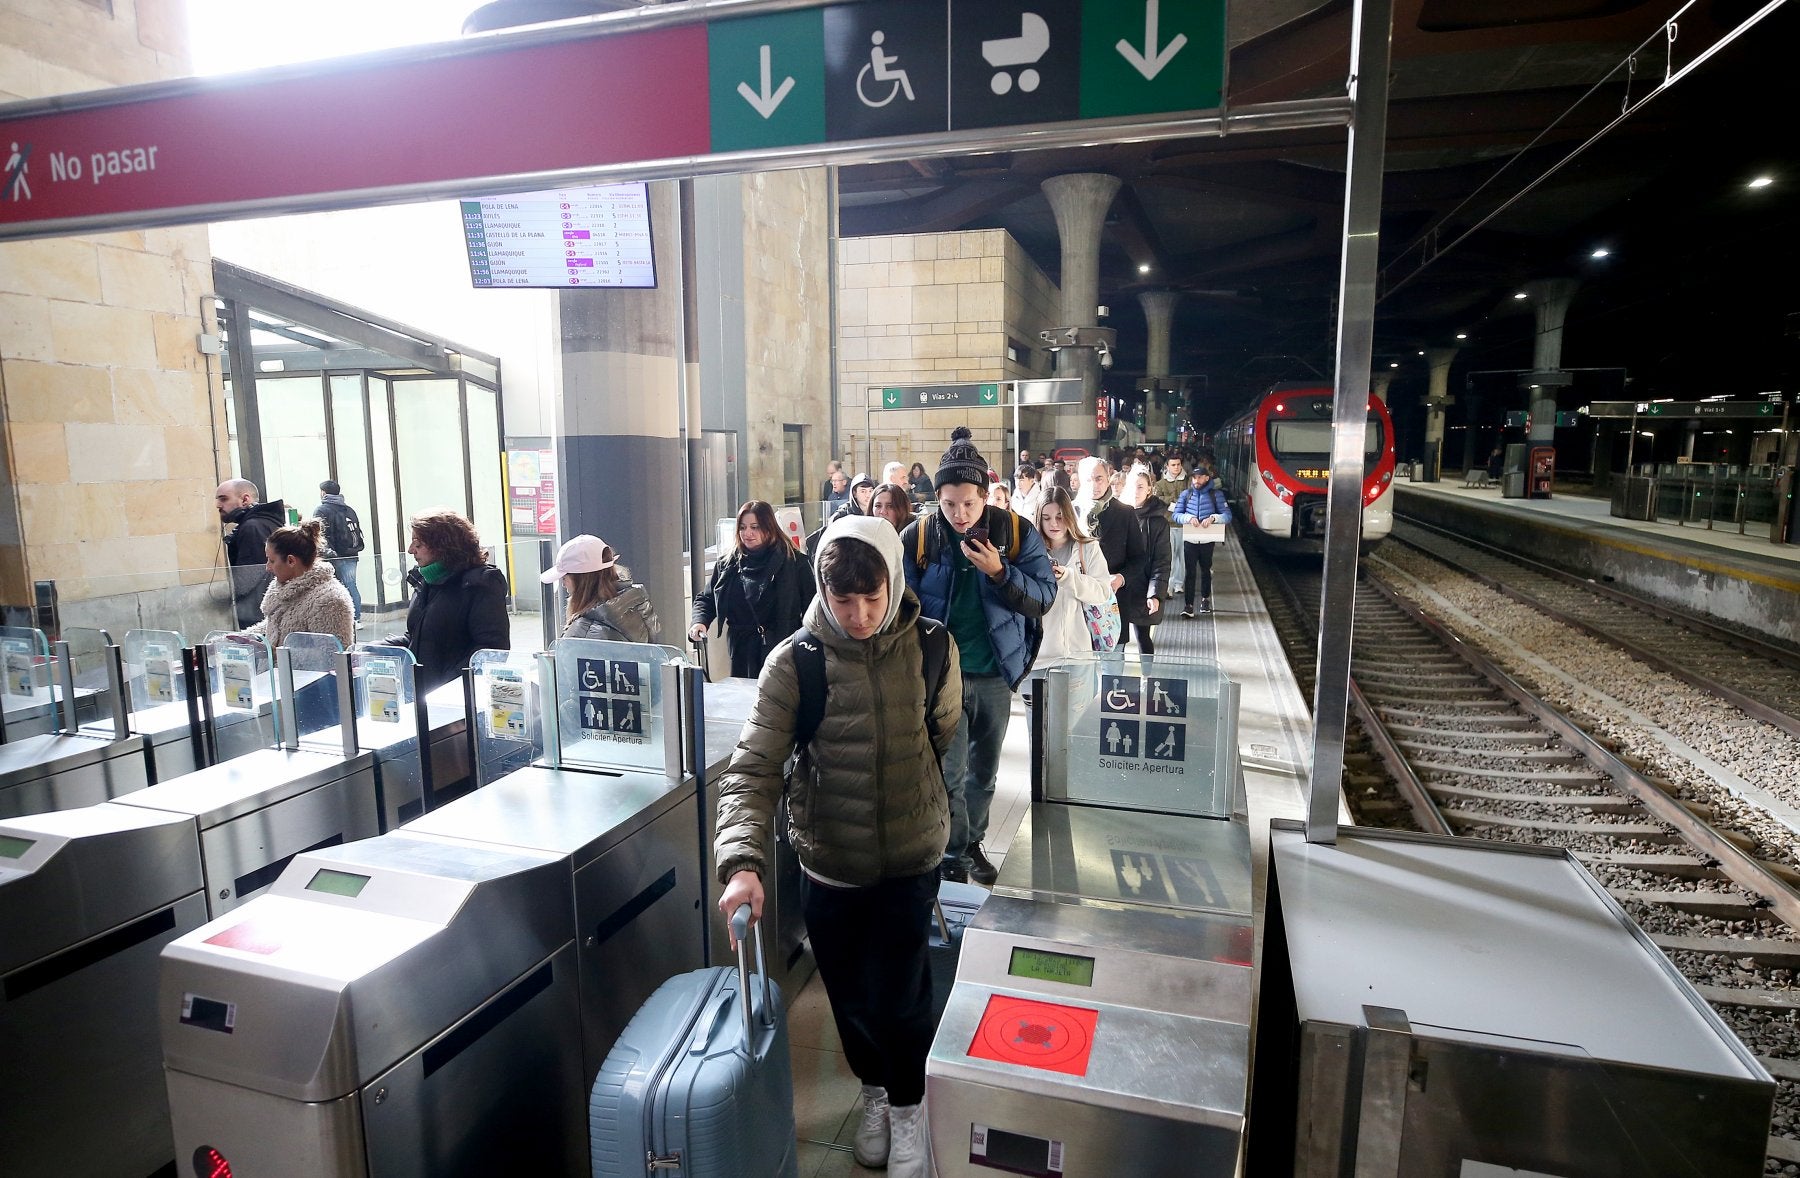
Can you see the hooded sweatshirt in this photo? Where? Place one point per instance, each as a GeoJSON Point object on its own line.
{"type": "Point", "coordinates": [866, 801]}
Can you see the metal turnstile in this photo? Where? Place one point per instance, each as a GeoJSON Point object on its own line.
{"type": "Point", "coordinates": [396, 1008]}
{"type": "Point", "coordinates": [1436, 1006]}
{"type": "Point", "coordinates": [726, 706]}
{"type": "Point", "coordinates": [1100, 1019]}
{"type": "Point", "coordinates": [619, 810]}
{"type": "Point", "coordinates": [88, 898]}
{"type": "Point", "coordinates": [69, 767]}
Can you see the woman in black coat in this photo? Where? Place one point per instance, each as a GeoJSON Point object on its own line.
{"type": "Point", "coordinates": [1145, 611]}
{"type": "Point", "coordinates": [458, 599]}
{"type": "Point", "coordinates": [760, 591]}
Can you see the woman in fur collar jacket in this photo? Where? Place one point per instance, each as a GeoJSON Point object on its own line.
{"type": "Point", "coordinates": [305, 597]}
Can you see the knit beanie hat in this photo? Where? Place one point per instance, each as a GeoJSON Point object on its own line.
{"type": "Point", "coordinates": [962, 462]}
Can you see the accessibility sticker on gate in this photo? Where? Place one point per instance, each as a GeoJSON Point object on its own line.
{"type": "Point", "coordinates": [609, 700]}
{"type": "Point", "coordinates": [1143, 723]}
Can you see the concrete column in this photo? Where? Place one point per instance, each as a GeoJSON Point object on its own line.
{"type": "Point", "coordinates": [618, 410]}
{"type": "Point", "coordinates": [1379, 383]}
{"type": "Point", "coordinates": [1159, 313]}
{"type": "Point", "coordinates": [1437, 400]}
{"type": "Point", "coordinates": [1550, 299]}
{"type": "Point", "coordinates": [1080, 201]}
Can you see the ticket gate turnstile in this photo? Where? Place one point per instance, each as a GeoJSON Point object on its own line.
{"type": "Point", "coordinates": [88, 898]}
{"type": "Point", "coordinates": [1100, 1019]}
{"type": "Point", "coordinates": [383, 1001]}
{"type": "Point", "coordinates": [71, 766]}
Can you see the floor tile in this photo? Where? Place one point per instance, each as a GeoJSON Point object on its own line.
{"type": "Point", "coordinates": [842, 1164]}
{"type": "Point", "coordinates": [825, 1093]}
{"type": "Point", "coordinates": [813, 1158]}
{"type": "Point", "coordinates": [809, 1019]}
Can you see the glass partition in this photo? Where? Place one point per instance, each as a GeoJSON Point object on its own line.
{"type": "Point", "coordinates": [610, 703]}
{"type": "Point", "coordinates": [314, 661]}
{"type": "Point", "coordinates": [240, 671]}
{"type": "Point", "coordinates": [509, 731]}
{"type": "Point", "coordinates": [1135, 733]}
{"type": "Point", "coordinates": [25, 696]}
{"type": "Point", "coordinates": [387, 724]}
{"type": "Point", "coordinates": [152, 660]}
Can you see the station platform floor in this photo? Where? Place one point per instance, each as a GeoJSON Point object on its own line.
{"type": "Point", "coordinates": [1275, 737]}
{"type": "Point", "coordinates": [1595, 516]}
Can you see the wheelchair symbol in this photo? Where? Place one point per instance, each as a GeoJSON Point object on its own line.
{"type": "Point", "coordinates": [879, 67]}
{"type": "Point", "coordinates": [1119, 701]}
{"type": "Point", "coordinates": [1029, 46]}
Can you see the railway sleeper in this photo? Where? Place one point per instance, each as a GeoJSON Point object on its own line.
{"type": "Point", "coordinates": [1540, 738]}
{"type": "Point", "coordinates": [1717, 905]}
{"type": "Point", "coordinates": [1764, 951]}
{"type": "Point", "coordinates": [1761, 999]}
{"type": "Point", "coordinates": [1597, 803]}
{"type": "Point", "coordinates": [1548, 777]}
{"type": "Point", "coordinates": [1536, 756]}
{"type": "Point", "coordinates": [1642, 832]}
{"type": "Point", "coordinates": [1673, 866]}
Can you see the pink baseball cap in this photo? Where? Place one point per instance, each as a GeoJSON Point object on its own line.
{"type": "Point", "coordinates": [579, 554]}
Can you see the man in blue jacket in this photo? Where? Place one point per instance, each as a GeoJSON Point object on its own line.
{"type": "Point", "coordinates": [983, 572]}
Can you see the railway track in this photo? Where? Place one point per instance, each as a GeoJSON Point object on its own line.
{"type": "Point", "coordinates": [1464, 748]}
{"type": "Point", "coordinates": [1756, 676]}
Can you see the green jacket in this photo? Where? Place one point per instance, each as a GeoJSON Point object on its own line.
{"type": "Point", "coordinates": [867, 800]}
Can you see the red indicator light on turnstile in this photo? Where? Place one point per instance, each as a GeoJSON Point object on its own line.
{"type": "Point", "coordinates": [1046, 1035]}
{"type": "Point", "coordinates": [210, 1163]}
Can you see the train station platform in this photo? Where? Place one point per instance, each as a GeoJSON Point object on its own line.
{"type": "Point", "coordinates": [1739, 580]}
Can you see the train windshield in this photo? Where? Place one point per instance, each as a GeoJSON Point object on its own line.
{"type": "Point", "coordinates": [1310, 441]}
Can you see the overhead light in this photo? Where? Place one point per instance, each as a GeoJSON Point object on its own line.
{"type": "Point", "coordinates": [270, 366]}
{"type": "Point", "coordinates": [1143, 267]}
{"type": "Point", "coordinates": [1761, 182]}
{"type": "Point", "coordinates": [1462, 335]}
{"type": "Point", "coordinates": [1421, 351]}
{"type": "Point", "coordinates": [1601, 252]}
{"type": "Point", "coordinates": [1520, 295]}
{"type": "Point", "coordinates": [1393, 364]}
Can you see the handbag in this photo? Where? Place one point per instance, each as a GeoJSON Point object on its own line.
{"type": "Point", "coordinates": [1103, 622]}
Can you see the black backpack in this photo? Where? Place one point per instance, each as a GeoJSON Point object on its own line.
{"type": "Point", "coordinates": [809, 665]}
{"type": "Point", "coordinates": [343, 533]}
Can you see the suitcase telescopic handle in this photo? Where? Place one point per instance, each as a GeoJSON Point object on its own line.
{"type": "Point", "coordinates": [740, 922]}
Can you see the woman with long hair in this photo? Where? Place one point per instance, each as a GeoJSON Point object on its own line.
{"type": "Point", "coordinates": [760, 590]}
{"type": "Point", "coordinates": [604, 602]}
{"type": "Point", "coordinates": [1082, 579]}
{"type": "Point", "coordinates": [458, 599]}
{"type": "Point", "coordinates": [305, 596]}
{"type": "Point", "coordinates": [918, 479]}
{"type": "Point", "coordinates": [1142, 613]}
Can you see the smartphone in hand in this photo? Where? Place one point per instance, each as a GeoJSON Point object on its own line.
{"type": "Point", "coordinates": [975, 535]}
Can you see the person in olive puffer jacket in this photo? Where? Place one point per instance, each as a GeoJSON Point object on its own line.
{"type": "Point", "coordinates": [868, 816]}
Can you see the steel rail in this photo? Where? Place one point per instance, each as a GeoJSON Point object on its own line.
{"type": "Point", "coordinates": [1765, 712]}
{"type": "Point", "coordinates": [1741, 868]}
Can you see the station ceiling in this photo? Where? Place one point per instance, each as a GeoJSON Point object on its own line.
{"type": "Point", "coordinates": [1491, 181]}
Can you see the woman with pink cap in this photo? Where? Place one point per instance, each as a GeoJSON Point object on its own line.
{"type": "Point", "coordinates": [604, 602]}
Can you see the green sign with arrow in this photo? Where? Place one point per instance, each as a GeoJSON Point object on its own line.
{"type": "Point", "coordinates": [1148, 56]}
{"type": "Point", "coordinates": [941, 396]}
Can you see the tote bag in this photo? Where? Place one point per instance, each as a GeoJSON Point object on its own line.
{"type": "Point", "coordinates": [1102, 620]}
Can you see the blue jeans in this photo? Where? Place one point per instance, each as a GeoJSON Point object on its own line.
{"type": "Point", "coordinates": [345, 568]}
{"type": "Point", "coordinates": [973, 762]}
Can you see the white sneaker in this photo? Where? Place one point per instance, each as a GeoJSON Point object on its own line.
{"type": "Point", "coordinates": [872, 1133]}
{"type": "Point", "coordinates": [910, 1153]}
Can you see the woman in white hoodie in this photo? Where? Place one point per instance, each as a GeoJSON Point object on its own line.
{"type": "Point", "coordinates": [1082, 578]}
{"type": "Point", "coordinates": [305, 597]}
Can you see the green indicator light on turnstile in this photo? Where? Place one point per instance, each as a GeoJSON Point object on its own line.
{"type": "Point", "coordinates": [14, 848]}
{"type": "Point", "coordinates": [1051, 967]}
{"type": "Point", "coordinates": [337, 883]}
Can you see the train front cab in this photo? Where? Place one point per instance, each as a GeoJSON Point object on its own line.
{"type": "Point", "coordinates": [1278, 456]}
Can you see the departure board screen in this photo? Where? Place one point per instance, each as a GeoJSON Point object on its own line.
{"type": "Point", "coordinates": [566, 237]}
{"type": "Point", "coordinates": [1051, 967]}
{"type": "Point", "coordinates": [337, 883]}
{"type": "Point", "coordinates": [14, 848]}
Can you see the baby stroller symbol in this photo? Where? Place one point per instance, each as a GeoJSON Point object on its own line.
{"type": "Point", "coordinates": [1029, 46]}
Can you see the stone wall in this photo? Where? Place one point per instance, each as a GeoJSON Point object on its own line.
{"type": "Point", "coordinates": [935, 308]}
{"type": "Point", "coordinates": [112, 419]}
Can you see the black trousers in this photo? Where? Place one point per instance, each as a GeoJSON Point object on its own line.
{"type": "Point", "coordinates": [1197, 556]}
{"type": "Point", "coordinates": [870, 945]}
{"type": "Point", "coordinates": [1146, 644]}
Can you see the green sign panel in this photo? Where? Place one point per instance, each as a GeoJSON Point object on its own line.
{"type": "Point", "coordinates": [766, 77]}
{"type": "Point", "coordinates": [1711, 409]}
{"type": "Point", "coordinates": [941, 396]}
{"type": "Point", "coordinates": [1151, 56]}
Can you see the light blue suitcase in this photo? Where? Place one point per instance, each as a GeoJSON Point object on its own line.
{"type": "Point", "coordinates": [699, 1084]}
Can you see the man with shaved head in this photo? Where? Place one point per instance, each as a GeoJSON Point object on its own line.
{"type": "Point", "coordinates": [249, 525]}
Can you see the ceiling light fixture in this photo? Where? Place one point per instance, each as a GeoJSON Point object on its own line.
{"type": "Point", "coordinates": [1602, 252]}
{"type": "Point", "coordinates": [1462, 335]}
{"type": "Point", "coordinates": [1393, 364]}
{"type": "Point", "coordinates": [1519, 294]}
{"type": "Point", "coordinates": [1761, 182]}
{"type": "Point", "coordinates": [1143, 267]}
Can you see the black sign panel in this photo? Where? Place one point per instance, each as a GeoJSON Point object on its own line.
{"type": "Point", "coordinates": [1016, 61]}
{"type": "Point", "coordinates": [887, 70]}
{"type": "Point", "coordinates": [1121, 693]}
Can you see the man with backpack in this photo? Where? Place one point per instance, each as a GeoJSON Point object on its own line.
{"type": "Point", "coordinates": [983, 572]}
{"type": "Point", "coordinates": [344, 536]}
